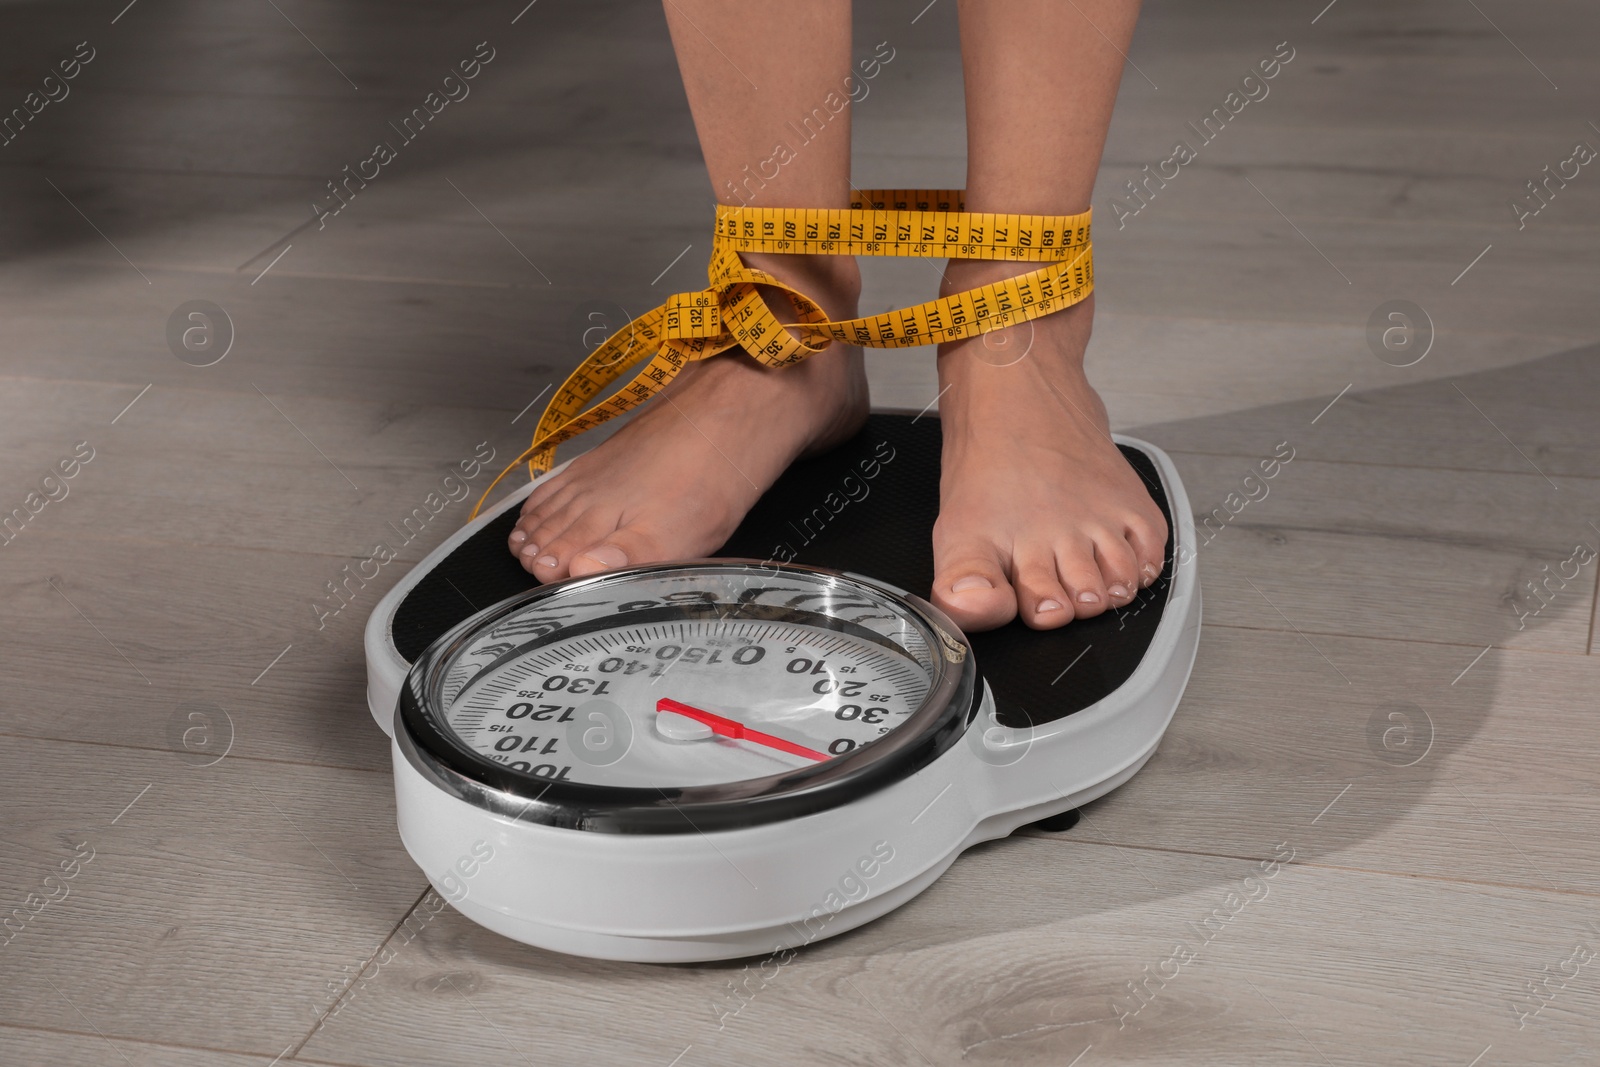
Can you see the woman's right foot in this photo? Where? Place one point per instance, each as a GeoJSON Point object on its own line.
{"type": "Point", "coordinates": [676, 481]}
{"type": "Point", "coordinates": [1040, 516]}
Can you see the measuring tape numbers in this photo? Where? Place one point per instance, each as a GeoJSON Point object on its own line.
{"type": "Point", "coordinates": [731, 313]}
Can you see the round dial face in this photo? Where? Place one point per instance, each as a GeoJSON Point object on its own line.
{"type": "Point", "coordinates": [640, 705]}
{"type": "Point", "coordinates": [691, 686]}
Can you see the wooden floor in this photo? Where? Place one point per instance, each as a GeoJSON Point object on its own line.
{"type": "Point", "coordinates": [1378, 694]}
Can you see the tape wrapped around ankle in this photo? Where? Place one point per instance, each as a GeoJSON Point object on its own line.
{"type": "Point", "coordinates": [730, 312]}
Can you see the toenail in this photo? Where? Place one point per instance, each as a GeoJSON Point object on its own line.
{"type": "Point", "coordinates": [971, 581]}
{"type": "Point", "coordinates": [528, 551]}
{"type": "Point", "coordinates": [1118, 590]}
{"type": "Point", "coordinates": [1049, 605]}
{"type": "Point", "coordinates": [518, 536]}
{"type": "Point", "coordinates": [547, 561]}
{"type": "Point", "coordinates": [1088, 598]}
{"type": "Point", "coordinates": [1151, 573]}
{"type": "Point", "coordinates": [607, 555]}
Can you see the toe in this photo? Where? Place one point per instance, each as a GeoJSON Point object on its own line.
{"type": "Point", "coordinates": [529, 531]}
{"type": "Point", "coordinates": [558, 553]}
{"type": "Point", "coordinates": [1148, 540]}
{"type": "Point", "coordinates": [1042, 602]}
{"type": "Point", "coordinates": [971, 587]}
{"type": "Point", "coordinates": [544, 531]}
{"type": "Point", "coordinates": [546, 507]}
{"type": "Point", "coordinates": [541, 552]}
{"type": "Point", "coordinates": [596, 558]}
{"type": "Point", "coordinates": [1080, 576]}
{"type": "Point", "coordinates": [517, 538]}
{"type": "Point", "coordinates": [1119, 568]}
{"type": "Point", "coordinates": [543, 496]}
{"type": "Point", "coordinates": [525, 540]}
{"type": "Point", "coordinates": [626, 546]}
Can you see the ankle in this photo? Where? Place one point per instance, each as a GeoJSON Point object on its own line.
{"type": "Point", "coordinates": [963, 274]}
{"type": "Point", "coordinates": [832, 281]}
{"type": "Point", "coordinates": [1058, 340]}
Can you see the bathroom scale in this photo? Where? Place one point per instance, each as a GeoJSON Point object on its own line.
{"type": "Point", "coordinates": [719, 758]}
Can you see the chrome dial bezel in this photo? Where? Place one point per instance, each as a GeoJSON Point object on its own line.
{"type": "Point", "coordinates": [433, 748]}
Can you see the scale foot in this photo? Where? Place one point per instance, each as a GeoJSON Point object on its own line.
{"type": "Point", "coordinates": [1056, 824]}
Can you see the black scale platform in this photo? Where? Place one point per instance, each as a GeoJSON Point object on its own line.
{"type": "Point", "coordinates": [867, 506]}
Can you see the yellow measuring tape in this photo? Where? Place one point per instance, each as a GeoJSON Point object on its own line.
{"type": "Point", "coordinates": [730, 312]}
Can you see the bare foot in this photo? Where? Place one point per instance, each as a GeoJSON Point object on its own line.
{"type": "Point", "coordinates": [676, 481]}
{"type": "Point", "coordinates": [1039, 513]}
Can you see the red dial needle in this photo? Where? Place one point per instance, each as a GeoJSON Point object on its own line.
{"type": "Point", "coordinates": [738, 730]}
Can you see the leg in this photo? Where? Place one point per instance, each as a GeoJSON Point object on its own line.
{"type": "Point", "coordinates": [1040, 516]}
{"type": "Point", "coordinates": [676, 481]}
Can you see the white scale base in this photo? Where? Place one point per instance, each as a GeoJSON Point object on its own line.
{"type": "Point", "coordinates": [729, 894]}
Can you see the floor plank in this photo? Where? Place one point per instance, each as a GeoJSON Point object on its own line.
{"type": "Point", "coordinates": [1051, 926]}
{"type": "Point", "coordinates": [216, 901]}
{"type": "Point", "coordinates": [208, 466]}
{"type": "Point", "coordinates": [20, 1045]}
{"type": "Point", "coordinates": [1430, 761]}
{"type": "Point", "coordinates": [1414, 554]}
{"type": "Point", "coordinates": [135, 635]}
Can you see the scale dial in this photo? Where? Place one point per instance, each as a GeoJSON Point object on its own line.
{"type": "Point", "coordinates": [689, 696]}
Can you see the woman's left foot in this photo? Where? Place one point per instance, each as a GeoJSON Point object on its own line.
{"type": "Point", "coordinates": [1040, 516]}
{"type": "Point", "coordinates": [676, 481]}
